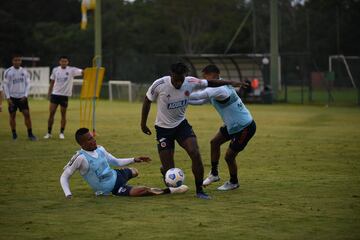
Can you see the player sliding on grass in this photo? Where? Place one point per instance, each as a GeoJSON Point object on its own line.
{"type": "Point", "coordinates": [239, 126]}
{"type": "Point", "coordinates": [172, 95]}
{"type": "Point", "coordinates": [93, 161]}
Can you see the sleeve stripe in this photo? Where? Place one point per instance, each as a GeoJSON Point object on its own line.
{"type": "Point", "coordinates": [155, 86]}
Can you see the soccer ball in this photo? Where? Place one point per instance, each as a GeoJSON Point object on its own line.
{"type": "Point", "coordinates": [174, 177]}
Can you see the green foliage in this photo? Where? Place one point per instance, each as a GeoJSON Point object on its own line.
{"type": "Point", "coordinates": [299, 179]}
{"type": "Point", "coordinates": [137, 31]}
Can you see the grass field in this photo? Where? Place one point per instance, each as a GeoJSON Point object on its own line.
{"type": "Point", "coordinates": [300, 179]}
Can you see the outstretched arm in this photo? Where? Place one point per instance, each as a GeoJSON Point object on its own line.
{"type": "Point", "coordinates": [64, 181]}
{"type": "Point", "coordinates": [74, 164]}
{"type": "Point", "coordinates": [121, 162]}
{"type": "Point", "coordinates": [218, 83]}
{"type": "Point", "coordinates": [199, 98]}
{"type": "Point", "coordinates": [144, 115]}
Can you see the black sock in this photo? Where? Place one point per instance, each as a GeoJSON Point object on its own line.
{"type": "Point", "coordinates": [29, 132]}
{"type": "Point", "coordinates": [199, 186]}
{"type": "Point", "coordinates": [214, 168]}
{"type": "Point", "coordinates": [163, 172]}
{"type": "Point", "coordinates": [13, 131]}
{"type": "Point", "coordinates": [233, 178]}
{"type": "Point", "coordinates": [62, 130]}
{"type": "Point", "coordinates": [166, 190]}
{"type": "Point", "coordinates": [49, 130]}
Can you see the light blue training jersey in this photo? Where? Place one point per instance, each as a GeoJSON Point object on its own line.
{"type": "Point", "coordinates": [100, 176]}
{"type": "Point", "coordinates": [233, 112]}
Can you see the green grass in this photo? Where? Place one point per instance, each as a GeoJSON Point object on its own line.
{"type": "Point", "coordinates": [340, 96]}
{"type": "Point", "coordinates": [300, 179]}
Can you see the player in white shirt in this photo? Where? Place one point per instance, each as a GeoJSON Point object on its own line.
{"type": "Point", "coordinates": [172, 95]}
{"type": "Point", "coordinates": [60, 89]}
{"type": "Point", "coordinates": [239, 126]}
{"type": "Point", "coordinates": [93, 162]}
{"type": "Point", "coordinates": [16, 88]}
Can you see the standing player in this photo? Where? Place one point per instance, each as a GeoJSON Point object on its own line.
{"type": "Point", "coordinates": [239, 126]}
{"type": "Point", "coordinates": [92, 161]}
{"type": "Point", "coordinates": [60, 89]}
{"type": "Point", "coordinates": [16, 89]}
{"type": "Point", "coordinates": [172, 95]}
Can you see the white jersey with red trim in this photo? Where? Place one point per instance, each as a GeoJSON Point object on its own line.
{"type": "Point", "coordinates": [63, 78]}
{"type": "Point", "coordinates": [172, 102]}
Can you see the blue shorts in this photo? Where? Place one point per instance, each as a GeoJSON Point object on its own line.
{"type": "Point", "coordinates": [166, 136]}
{"type": "Point", "coordinates": [123, 176]}
{"type": "Point", "coordinates": [240, 139]}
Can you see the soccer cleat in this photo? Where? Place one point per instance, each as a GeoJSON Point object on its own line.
{"type": "Point", "coordinates": [32, 138]}
{"type": "Point", "coordinates": [14, 136]}
{"type": "Point", "coordinates": [228, 186]}
{"type": "Point", "coordinates": [210, 179]}
{"type": "Point", "coordinates": [181, 189]}
{"type": "Point", "coordinates": [61, 136]}
{"type": "Point", "coordinates": [47, 136]}
{"type": "Point", "coordinates": [203, 195]}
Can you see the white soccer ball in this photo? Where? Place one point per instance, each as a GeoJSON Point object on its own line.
{"type": "Point", "coordinates": [174, 177]}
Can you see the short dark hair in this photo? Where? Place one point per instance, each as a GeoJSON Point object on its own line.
{"type": "Point", "coordinates": [15, 55]}
{"type": "Point", "coordinates": [64, 56]}
{"type": "Point", "coordinates": [212, 68]}
{"type": "Point", "coordinates": [79, 133]}
{"type": "Point", "coordinates": [179, 68]}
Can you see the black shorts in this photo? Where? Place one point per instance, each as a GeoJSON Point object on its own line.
{"type": "Point", "coordinates": [240, 139]}
{"type": "Point", "coordinates": [166, 136]}
{"type": "Point", "coordinates": [17, 103]}
{"type": "Point", "coordinates": [123, 176]}
{"type": "Point", "coordinates": [59, 99]}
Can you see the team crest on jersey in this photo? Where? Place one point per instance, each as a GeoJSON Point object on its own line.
{"type": "Point", "coordinates": [178, 104]}
{"type": "Point", "coordinates": [187, 93]}
{"type": "Point", "coordinates": [67, 74]}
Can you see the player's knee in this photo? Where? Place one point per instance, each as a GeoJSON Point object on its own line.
{"type": "Point", "coordinates": [134, 172]}
{"type": "Point", "coordinates": [214, 143]}
{"type": "Point", "coordinates": [229, 159]}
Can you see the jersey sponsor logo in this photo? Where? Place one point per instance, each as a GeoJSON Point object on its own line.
{"type": "Point", "coordinates": [178, 104]}
{"type": "Point", "coordinates": [155, 86]}
{"type": "Point", "coordinates": [18, 80]}
{"type": "Point", "coordinates": [64, 79]}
